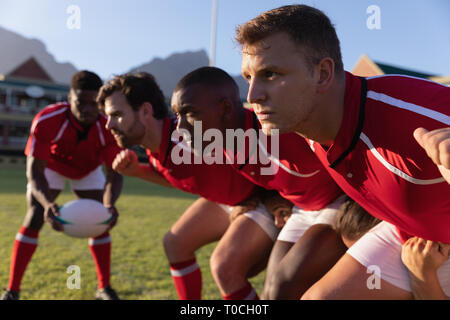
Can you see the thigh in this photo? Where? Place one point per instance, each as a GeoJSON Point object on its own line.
{"type": "Point", "coordinates": [245, 247]}
{"type": "Point", "coordinates": [349, 279]}
{"type": "Point", "coordinates": [203, 222]}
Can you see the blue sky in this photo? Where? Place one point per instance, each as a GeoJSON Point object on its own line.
{"type": "Point", "coordinates": [118, 35]}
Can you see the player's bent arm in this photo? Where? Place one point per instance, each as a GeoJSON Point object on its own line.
{"type": "Point", "coordinates": [113, 187]}
{"type": "Point", "coordinates": [145, 172]}
{"type": "Point", "coordinates": [427, 290]}
{"type": "Point", "coordinates": [36, 178]}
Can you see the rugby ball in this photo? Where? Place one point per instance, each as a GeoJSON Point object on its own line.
{"type": "Point", "coordinates": [84, 218]}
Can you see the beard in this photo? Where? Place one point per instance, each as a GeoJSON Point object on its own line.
{"type": "Point", "coordinates": [132, 137]}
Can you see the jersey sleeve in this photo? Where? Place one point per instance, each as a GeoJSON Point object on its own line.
{"type": "Point", "coordinates": [39, 141]}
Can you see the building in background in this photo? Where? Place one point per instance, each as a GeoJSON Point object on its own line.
{"type": "Point", "coordinates": [24, 91]}
{"type": "Point", "coordinates": [365, 67]}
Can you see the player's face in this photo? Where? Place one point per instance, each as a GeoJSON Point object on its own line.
{"type": "Point", "coordinates": [84, 106]}
{"type": "Point", "coordinates": [195, 103]}
{"type": "Point", "coordinates": [281, 88]}
{"type": "Point", "coordinates": [123, 121]}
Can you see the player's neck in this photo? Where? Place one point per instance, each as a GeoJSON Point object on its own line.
{"type": "Point", "coordinates": [153, 136]}
{"type": "Point", "coordinates": [326, 122]}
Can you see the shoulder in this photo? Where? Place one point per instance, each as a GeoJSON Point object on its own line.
{"type": "Point", "coordinates": [417, 95]}
{"type": "Point", "coordinates": [50, 115]}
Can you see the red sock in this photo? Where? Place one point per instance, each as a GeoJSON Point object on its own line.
{"type": "Point", "coordinates": [101, 252]}
{"type": "Point", "coordinates": [246, 293]}
{"type": "Point", "coordinates": [23, 249]}
{"type": "Point", "coordinates": [187, 278]}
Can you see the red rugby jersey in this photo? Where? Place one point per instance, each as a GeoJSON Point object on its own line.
{"type": "Point", "coordinates": [215, 182]}
{"type": "Point", "coordinates": [385, 170]}
{"type": "Point", "coordinates": [297, 173]}
{"type": "Point", "coordinates": [56, 136]}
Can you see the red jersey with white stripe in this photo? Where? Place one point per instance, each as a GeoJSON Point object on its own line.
{"type": "Point", "coordinates": [385, 170]}
{"type": "Point", "coordinates": [57, 137]}
{"type": "Point", "coordinates": [291, 167]}
{"type": "Point", "coordinates": [215, 182]}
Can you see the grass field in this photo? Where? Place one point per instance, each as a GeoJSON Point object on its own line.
{"type": "Point", "coordinates": [139, 267]}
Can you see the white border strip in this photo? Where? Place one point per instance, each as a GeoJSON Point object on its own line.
{"type": "Point", "coordinates": [282, 166]}
{"type": "Point", "coordinates": [95, 242]}
{"type": "Point", "coordinates": [23, 238]}
{"type": "Point", "coordinates": [409, 106]}
{"type": "Point", "coordinates": [184, 271]}
{"type": "Point", "coordinates": [49, 115]}
{"type": "Point", "coordinates": [395, 170]}
{"type": "Point", "coordinates": [61, 131]}
{"type": "Point", "coordinates": [100, 134]}
{"type": "Point", "coordinates": [405, 76]}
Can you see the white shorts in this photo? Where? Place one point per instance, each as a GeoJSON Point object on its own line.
{"type": "Point", "coordinates": [262, 217]}
{"type": "Point", "coordinates": [301, 220]}
{"type": "Point", "coordinates": [382, 247]}
{"type": "Point", "coordinates": [95, 180]}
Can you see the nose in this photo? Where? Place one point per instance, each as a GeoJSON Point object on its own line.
{"type": "Point", "coordinates": [182, 123]}
{"type": "Point", "coordinates": [108, 125]}
{"type": "Point", "coordinates": [256, 92]}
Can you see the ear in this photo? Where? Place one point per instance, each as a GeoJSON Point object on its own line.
{"type": "Point", "coordinates": [325, 72]}
{"type": "Point", "coordinates": [69, 95]}
{"type": "Point", "coordinates": [226, 107]}
{"type": "Point", "coordinates": [146, 110]}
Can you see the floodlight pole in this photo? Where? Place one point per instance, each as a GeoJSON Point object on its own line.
{"type": "Point", "coordinates": [212, 49]}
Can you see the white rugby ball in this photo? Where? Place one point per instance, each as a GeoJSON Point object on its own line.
{"type": "Point", "coordinates": [84, 218]}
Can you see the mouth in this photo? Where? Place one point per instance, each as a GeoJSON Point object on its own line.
{"type": "Point", "coordinates": [264, 115]}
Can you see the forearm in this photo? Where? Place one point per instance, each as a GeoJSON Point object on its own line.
{"type": "Point", "coordinates": [146, 173]}
{"type": "Point", "coordinates": [39, 185]}
{"type": "Point", "coordinates": [429, 289]}
{"type": "Point", "coordinates": [113, 188]}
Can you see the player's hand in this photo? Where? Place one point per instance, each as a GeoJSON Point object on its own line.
{"type": "Point", "coordinates": [424, 257]}
{"type": "Point", "coordinates": [243, 207]}
{"type": "Point", "coordinates": [52, 211]}
{"type": "Point", "coordinates": [126, 163]}
{"type": "Point", "coordinates": [437, 146]}
{"type": "Point", "coordinates": [114, 218]}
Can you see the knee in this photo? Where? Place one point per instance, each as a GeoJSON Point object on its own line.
{"type": "Point", "coordinates": [221, 269]}
{"type": "Point", "coordinates": [170, 243]}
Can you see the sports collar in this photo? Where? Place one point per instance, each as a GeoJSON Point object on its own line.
{"type": "Point", "coordinates": [352, 120]}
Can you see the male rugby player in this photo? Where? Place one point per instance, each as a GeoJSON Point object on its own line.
{"type": "Point", "coordinates": [363, 131]}
{"type": "Point", "coordinates": [210, 97]}
{"type": "Point", "coordinates": [68, 141]}
{"type": "Point", "coordinates": [137, 115]}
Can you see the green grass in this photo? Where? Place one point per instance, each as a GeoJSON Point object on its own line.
{"type": "Point", "coordinates": [139, 267]}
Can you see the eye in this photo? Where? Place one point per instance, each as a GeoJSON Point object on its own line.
{"type": "Point", "coordinates": [269, 74]}
{"type": "Point", "coordinates": [247, 77]}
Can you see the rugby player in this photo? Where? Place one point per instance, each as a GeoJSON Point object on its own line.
{"type": "Point", "coordinates": [137, 115]}
{"type": "Point", "coordinates": [68, 141]}
{"type": "Point", "coordinates": [210, 96]}
{"type": "Point", "coordinates": [364, 132]}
